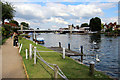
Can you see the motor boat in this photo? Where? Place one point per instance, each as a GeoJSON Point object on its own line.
{"type": "Point", "coordinates": [40, 40]}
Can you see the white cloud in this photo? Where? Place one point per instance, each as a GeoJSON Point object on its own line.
{"type": "Point", "coordinates": [108, 20]}
{"type": "Point", "coordinates": [57, 20]}
{"type": "Point", "coordinates": [61, 0]}
{"type": "Point", "coordinates": [58, 14]}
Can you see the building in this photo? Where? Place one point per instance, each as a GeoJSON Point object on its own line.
{"type": "Point", "coordinates": [114, 26]}
{"type": "Point", "coordinates": [12, 25]}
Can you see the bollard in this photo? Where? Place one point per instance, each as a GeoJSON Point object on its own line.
{"type": "Point", "coordinates": [82, 53]}
{"type": "Point", "coordinates": [68, 46]}
{"type": "Point", "coordinates": [63, 53]}
{"type": "Point", "coordinates": [26, 53]}
{"type": "Point", "coordinates": [55, 72]}
{"type": "Point", "coordinates": [59, 44]}
{"type": "Point", "coordinates": [30, 51]}
{"type": "Point", "coordinates": [91, 70]}
{"type": "Point", "coordinates": [34, 55]}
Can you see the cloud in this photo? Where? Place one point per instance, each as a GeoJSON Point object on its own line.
{"type": "Point", "coordinates": [111, 19]}
{"type": "Point", "coordinates": [56, 20]}
{"type": "Point", "coordinates": [60, 0]}
{"type": "Point", "coordinates": [58, 14]}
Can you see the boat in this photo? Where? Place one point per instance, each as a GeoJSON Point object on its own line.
{"type": "Point", "coordinates": [40, 40]}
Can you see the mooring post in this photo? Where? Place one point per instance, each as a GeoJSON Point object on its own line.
{"type": "Point", "coordinates": [35, 55]}
{"type": "Point", "coordinates": [91, 70]}
{"type": "Point", "coordinates": [59, 44]}
{"type": "Point", "coordinates": [63, 53]}
{"type": "Point", "coordinates": [68, 46]}
{"type": "Point", "coordinates": [30, 51]}
{"type": "Point", "coordinates": [34, 36]}
{"type": "Point", "coordinates": [55, 72]}
{"type": "Point", "coordinates": [82, 53]}
{"type": "Point", "coordinates": [26, 53]}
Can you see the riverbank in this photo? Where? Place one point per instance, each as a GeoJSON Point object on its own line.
{"type": "Point", "coordinates": [70, 68]}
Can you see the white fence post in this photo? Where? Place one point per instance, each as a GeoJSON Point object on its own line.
{"type": "Point", "coordinates": [63, 53]}
{"type": "Point", "coordinates": [26, 53]}
{"type": "Point", "coordinates": [35, 55]}
{"type": "Point", "coordinates": [20, 48]}
{"type": "Point", "coordinates": [30, 51]}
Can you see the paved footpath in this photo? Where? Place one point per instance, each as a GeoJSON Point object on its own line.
{"type": "Point", "coordinates": [11, 61]}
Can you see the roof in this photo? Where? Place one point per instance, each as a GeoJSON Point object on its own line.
{"type": "Point", "coordinates": [11, 24]}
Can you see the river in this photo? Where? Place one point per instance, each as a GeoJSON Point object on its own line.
{"type": "Point", "coordinates": [106, 47]}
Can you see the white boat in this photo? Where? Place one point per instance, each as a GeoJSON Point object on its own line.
{"type": "Point", "coordinates": [40, 40]}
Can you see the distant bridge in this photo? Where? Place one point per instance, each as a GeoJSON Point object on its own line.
{"type": "Point", "coordinates": [49, 31]}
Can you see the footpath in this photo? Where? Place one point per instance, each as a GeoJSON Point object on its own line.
{"type": "Point", "coordinates": [11, 61]}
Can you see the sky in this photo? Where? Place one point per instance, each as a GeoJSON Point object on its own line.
{"type": "Point", "coordinates": [51, 14]}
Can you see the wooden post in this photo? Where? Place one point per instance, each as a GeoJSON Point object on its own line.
{"type": "Point", "coordinates": [91, 70]}
{"type": "Point", "coordinates": [20, 48]}
{"type": "Point", "coordinates": [68, 46]}
{"type": "Point", "coordinates": [26, 53]}
{"type": "Point", "coordinates": [82, 53]}
{"type": "Point", "coordinates": [34, 36]}
{"type": "Point", "coordinates": [55, 72]}
{"type": "Point", "coordinates": [34, 55]}
{"type": "Point", "coordinates": [30, 51]}
{"type": "Point", "coordinates": [59, 44]}
{"type": "Point", "coordinates": [63, 53]}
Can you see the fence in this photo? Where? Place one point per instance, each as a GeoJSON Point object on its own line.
{"type": "Point", "coordinates": [56, 69]}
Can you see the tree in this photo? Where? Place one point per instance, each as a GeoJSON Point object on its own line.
{"type": "Point", "coordinates": [14, 22]}
{"type": "Point", "coordinates": [25, 24]}
{"type": "Point", "coordinates": [7, 11]}
{"type": "Point", "coordinates": [84, 25]}
{"type": "Point", "coordinates": [102, 26]}
{"type": "Point", "coordinates": [77, 26]}
{"type": "Point", "coordinates": [95, 24]}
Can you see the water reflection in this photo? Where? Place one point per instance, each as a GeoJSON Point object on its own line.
{"type": "Point", "coordinates": [95, 38]}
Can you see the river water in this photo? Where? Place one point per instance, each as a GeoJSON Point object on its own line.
{"type": "Point", "coordinates": [106, 48]}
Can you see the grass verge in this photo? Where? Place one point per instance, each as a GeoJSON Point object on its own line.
{"type": "Point", "coordinates": [70, 68]}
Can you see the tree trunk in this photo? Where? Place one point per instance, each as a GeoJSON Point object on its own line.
{"type": "Point", "coordinates": [3, 21]}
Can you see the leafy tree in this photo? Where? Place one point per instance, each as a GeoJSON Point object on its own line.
{"type": "Point", "coordinates": [14, 22]}
{"type": "Point", "coordinates": [77, 26]}
{"type": "Point", "coordinates": [7, 11]}
{"type": "Point", "coordinates": [102, 26]}
{"type": "Point", "coordinates": [84, 25]}
{"type": "Point", "coordinates": [25, 24]}
{"type": "Point", "coordinates": [95, 24]}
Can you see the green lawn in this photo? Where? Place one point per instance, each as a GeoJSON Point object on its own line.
{"type": "Point", "coordinates": [70, 68]}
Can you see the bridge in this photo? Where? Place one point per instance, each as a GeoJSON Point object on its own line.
{"type": "Point", "coordinates": [50, 31]}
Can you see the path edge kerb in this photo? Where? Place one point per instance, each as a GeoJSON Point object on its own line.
{"type": "Point", "coordinates": [27, 76]}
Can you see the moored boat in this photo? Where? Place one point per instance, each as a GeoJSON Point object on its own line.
{"type": "Point", "coordinates": [40, 40]}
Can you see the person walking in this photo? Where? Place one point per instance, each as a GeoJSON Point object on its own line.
{"type": "Point", "coordinates": [16, 40]}
{"type": "Point", "coordinates": [14, 34]}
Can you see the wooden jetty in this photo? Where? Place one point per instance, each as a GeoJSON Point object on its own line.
{"type": "Point", "coordinates": [69, 52]}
